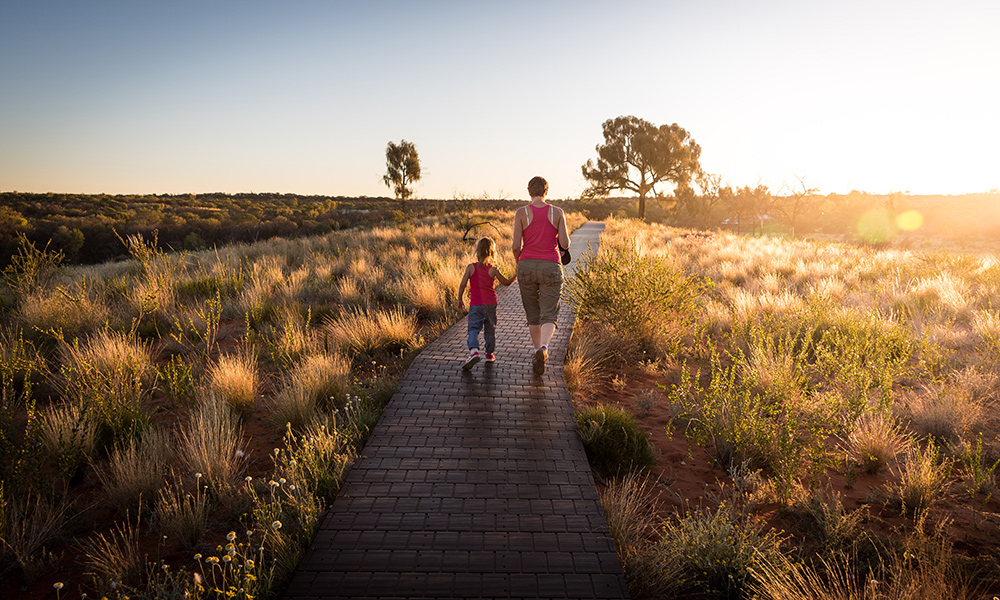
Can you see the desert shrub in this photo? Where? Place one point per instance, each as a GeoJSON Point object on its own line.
{"type": "Point", "coordinates": [645, 299]}
{"type": "Point", "coordinates": [289, 340]}
{"type": "Point", "coordinates": [178, 380]}
{"type": "Point", "coordinates": [111, 375]}
{"type": "Point", "coordinates": [979, 472]}
{"type": "Point", "coordinates": [746, 428]}
{"type": "Point", "coordinates": [154, 289]}
{"type": "Point", "coordinates": [613, 441]}
{"type": "Point", "coordinates": [774, 363]}
{"type": "Point", "coordinates": [318, 458]}
{"type": "Point", "coordinates": [716, 551]}
{"type": "Point", "coordinates": [30, 269]}
{"type": "Point", "coordinates": [858, 353]}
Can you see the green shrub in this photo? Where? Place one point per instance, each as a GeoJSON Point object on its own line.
{"type": "Point", "coordinates": [645, 299]}
{"type": "Point", "coordinates": [613, 440]}
{"type": "Point", "coordinates": [716, 552]}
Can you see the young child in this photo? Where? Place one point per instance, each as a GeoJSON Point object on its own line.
{"type": "Point", "coordinates": [482, 277]}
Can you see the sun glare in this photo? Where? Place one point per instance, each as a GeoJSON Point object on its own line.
{"type": "Point", "coordinates": [910, 220]}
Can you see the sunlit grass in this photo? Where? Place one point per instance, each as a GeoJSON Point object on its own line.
{"type": "Point", "coordinates": [211, 444]}
{"type": "Point", "coordinates": [235, 379]}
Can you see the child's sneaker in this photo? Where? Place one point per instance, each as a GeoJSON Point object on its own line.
{"type": "Point", "coordinates": [490, 357]}
{"type": "Point", "coordinates": [472, 360]}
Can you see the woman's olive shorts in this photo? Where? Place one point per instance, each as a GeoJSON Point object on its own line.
{"type": "Point", "coordinates": [541, 283]}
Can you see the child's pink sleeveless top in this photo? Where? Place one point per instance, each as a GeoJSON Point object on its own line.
{"type": "Point", "coordinates": [540, 237]}
{"type": "Point", "coordinates": [481, 290]}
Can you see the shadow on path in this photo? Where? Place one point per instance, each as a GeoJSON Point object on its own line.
{"type": "Point", "coordinates": [474, 484]}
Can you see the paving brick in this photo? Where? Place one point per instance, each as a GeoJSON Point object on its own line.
{"type": "Point", "coordinates": [474, 484]}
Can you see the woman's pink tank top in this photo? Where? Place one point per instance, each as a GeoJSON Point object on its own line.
{"type": "Point", "coordinates": [540, 237]}
{"type": "Point", "coordinates": [481, 288]}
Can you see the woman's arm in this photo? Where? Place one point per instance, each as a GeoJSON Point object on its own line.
{"type": "Point", "coordinates": [517, 237]}
{"type": "Point", "coordinates": [563, 234]}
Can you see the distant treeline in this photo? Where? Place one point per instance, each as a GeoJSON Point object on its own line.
{"type": "Point", "coordinates": [89, 229]}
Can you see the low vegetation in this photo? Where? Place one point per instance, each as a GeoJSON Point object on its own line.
{"type": "Point", "coordinates": [843, 396]}
{"type": "Point", "coordinates": [174, 424]}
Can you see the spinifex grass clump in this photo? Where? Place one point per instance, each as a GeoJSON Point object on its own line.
{"type": "Point", "coordinates": [613, 440]}
{"type": "Point", "coordinates": [923, 478]}
{"type": "Point", "coordinates": [111, 375]}
{"type": "Point", "coordinates": [875, 442]}
{"type": "Point", "coordinates": [211, 444]}
{"type": "Point", "coordinates": [235, 379]}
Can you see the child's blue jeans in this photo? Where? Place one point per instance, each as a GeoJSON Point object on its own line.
{"type": "Point", "coordinates": [483, 317]}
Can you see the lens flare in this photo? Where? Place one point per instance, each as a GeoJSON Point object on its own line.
{"type": "Point", "coordinates": [910, 220]}
{"type": "Point", "coordinates": [876, 226]}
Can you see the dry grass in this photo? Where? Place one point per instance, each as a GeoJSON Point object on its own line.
{"type": "Point", "coordinates": [370, 332]}
{"type": "Point", "coordinates": [294, 406]}
{"type": "Point", "coordinates": [235, 379]}
{"type": "Point", "coordinates": [135, 470]}
{"type": "Point", "coordinates": [210, 446]}
{"type": "Point", "coordinates": [114, 558]}
{"type": "Point", "coordinates": [586, 359]}
{"type": "Point", "coordinates": [945, 412]}
{"type": "Point", "coordinates": [180, 514]}
{"type": "Point", "coordinates": [71, 312]}
{"type": "Point", "coordinates": [28, 528]}
{"type": "Point", "coordinates": [70, 435]}
{"type": "Point", "coordinates": [875, 442]}
{"type": "Point", "coordinates": [923, 568]}
{"type": "Point", "coordinates": [325, 377]}
{"type": "Point", "coordinates": [923, 479]}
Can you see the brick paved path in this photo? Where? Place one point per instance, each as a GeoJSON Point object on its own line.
{"type": "Point", "coordinates": [474, 484]}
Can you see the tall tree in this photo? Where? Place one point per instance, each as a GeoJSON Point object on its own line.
{"type": "Point", "coordinates": [799, 200]}
{"type": "Point", "coordinates": [636, 155]}
{"type": "Point", "coordinates": [402, 168]}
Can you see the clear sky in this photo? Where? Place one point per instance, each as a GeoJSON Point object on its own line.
{"type": "Point", "coordinates": [303, 96]}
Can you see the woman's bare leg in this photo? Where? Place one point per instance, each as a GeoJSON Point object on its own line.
{"type": "Point", "coordinates": [545, 334]}
{"type": "Point", "coordinates": [536, 335]}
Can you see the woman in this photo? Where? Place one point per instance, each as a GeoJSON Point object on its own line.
{"type": "Point", "coordinates": [538, 228]}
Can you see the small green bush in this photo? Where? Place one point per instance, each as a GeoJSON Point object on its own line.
{"type": "Point", "coordinates": [613, 440]}
{"type": "Point", "coordinates": [645, 299]}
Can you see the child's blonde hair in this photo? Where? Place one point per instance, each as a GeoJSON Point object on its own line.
{"type": "Point", "coordinates": [486, 249]}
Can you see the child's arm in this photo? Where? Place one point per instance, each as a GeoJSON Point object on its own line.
{"type": "Point", "coordinates": [495, 272]}
{"type": "Point", "coordinates": [461, 286]}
